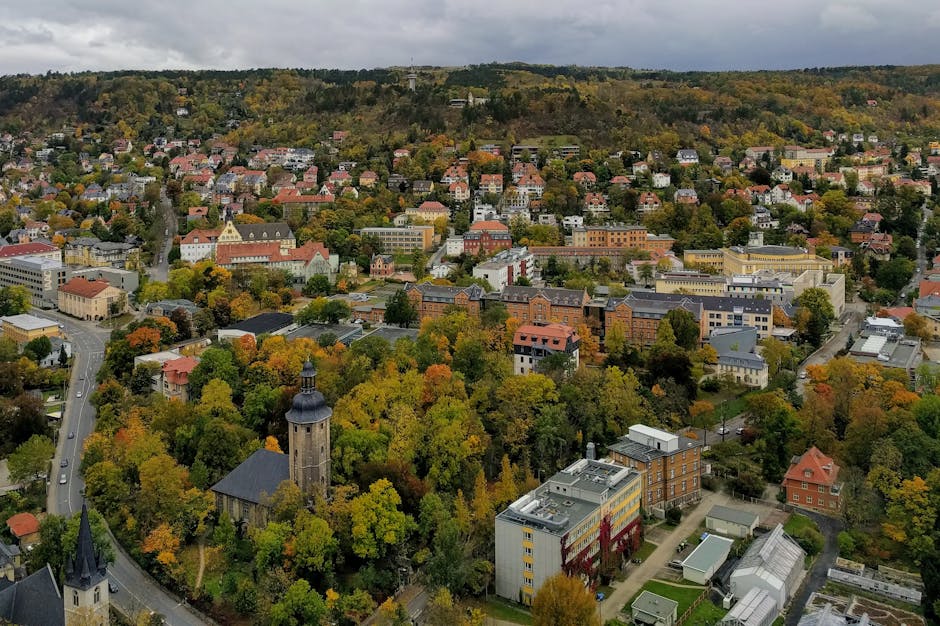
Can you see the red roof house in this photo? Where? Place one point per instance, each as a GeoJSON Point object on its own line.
{"type": "Point", "coordinates": [812, 482]}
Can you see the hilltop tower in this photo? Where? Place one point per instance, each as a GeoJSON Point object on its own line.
{"type": "Point", "coordinates": [85, 593]}
{"type": "Point", "coordinates": [308, 435]}
{"type": "Point", "coordinates": [412, 79]}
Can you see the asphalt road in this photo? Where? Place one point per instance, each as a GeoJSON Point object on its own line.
{"type": "Point", "coordinates": [137, 591]}
{"type": "Point", "coordinates": [160, 270]}
{"type": "Point", "coordinates": [818, 574]}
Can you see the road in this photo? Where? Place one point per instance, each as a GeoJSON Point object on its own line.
{"type": "Point", "coordinates": [138, 592]}
{"type": "Point", "coordinates": [854, 314]}
{"type": "Point", "coordinates": [817, 576]}
{"type": "Point", "coordinates": [160, 270]}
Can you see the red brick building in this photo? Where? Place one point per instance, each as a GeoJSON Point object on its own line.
{"type": "Point", "coordinates": [812, 482]}
{"type": "Point", "coordinates": [488, 237]}
{"type": "Point", "coordinates": [432, 301]}
{"type": "Point", "coordinates": [382, 266]}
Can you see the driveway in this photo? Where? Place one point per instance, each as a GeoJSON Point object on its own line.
{"type": "Point", "coordinates": [817, 576]}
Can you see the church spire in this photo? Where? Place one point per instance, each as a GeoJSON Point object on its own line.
{"type": "Point", "coordinates": [86, 567]}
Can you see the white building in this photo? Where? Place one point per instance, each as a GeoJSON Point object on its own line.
{"type": "Point", "coordinates": [198, 244]}
{"type": "Point", "coordinates": [774, 563]}
{"type": "Point", "coordinates": [507, 267]}
{"type": "Point", "coordinates": [708, 556]}
{"type": "Point", "coordinates": [533, 342]}
{"type": "Point", "coordinates": [661, 180]}
{"type": "Point", "coordinates": [731, 522]}
{"type": "Point", "coordinates": [453, 246]}
{"type": "Point", "coordinates": [745, 368]}
{"type": "Point", "coordinates": [756, 608]}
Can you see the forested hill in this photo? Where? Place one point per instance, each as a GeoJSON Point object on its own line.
{"type": "Point", "coordinates": [601, 108]}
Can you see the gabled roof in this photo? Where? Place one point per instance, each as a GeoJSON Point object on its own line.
{"type": "Point", "coordinates": [21, 249]}
{"type": "Point", "coordinates": [822, 469]}
{"type": "Point", "coordinates": [735, 516]}
{"type": "Point", "coordinates": [559, 297]}
{"type": "Point", "coordinates": [257, 476]}
{"type": "Point", "coordinates": [772, 557]}
{"type": "Point", "coordinates": [33, 601]}
{"type": "Point", "coordinates": [23, 524]}
{"type": "Point", "coordinates": [84, 288]}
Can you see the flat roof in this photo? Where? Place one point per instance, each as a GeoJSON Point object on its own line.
{"type": "Point", "coordinates": [712, 552]}
{"type": "Point", "coordinates": [28, 322]}
{"type": "Point", "coordinates": [654, 604]}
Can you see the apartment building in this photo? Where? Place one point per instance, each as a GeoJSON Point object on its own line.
{"type": "Point", "coordinates": [24, 328]}
{"type": "Point", "coordinates": [619, 236]}
{"type": "Point", "coordinates": [538, 304]}
{"type": "Point", "coordinates": [174, 377]}
{"type": "Point", "coordinates": [670, 466]}
{"type": "Point", "coordinates": [92, 252]}
{"type": "Point", "coordinates": [432, 301]}
{"type": "Point", "coordinates": [690, 282]}
{"type": "Point", "coordinates": [533, 342]}
{"type": "Point", "coordinates": [199, 244]}
{"type": "Point", "coordinates": [403, 239]}
{"type": "Point", "coordinates": [91, 299]}
{"type": "Point", "coordinates": [41, 276]}
{"type": "Point", "coordinates": [580, 517]}
{"type": "Point", "coordinates": [506, 268]}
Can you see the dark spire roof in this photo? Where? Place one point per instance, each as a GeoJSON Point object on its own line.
{"type": "Point", "coordinates": [87, 567]}
{"type": "Point", "coordinates": [309, 405]}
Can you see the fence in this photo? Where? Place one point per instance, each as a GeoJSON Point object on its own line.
{"type": "Point", "coordinates": [692, 606]}
{"type": "Point", "coordinates": [889, 590]}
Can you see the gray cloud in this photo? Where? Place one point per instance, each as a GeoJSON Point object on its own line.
{"type": "Point", "coordinates": [75, 35]}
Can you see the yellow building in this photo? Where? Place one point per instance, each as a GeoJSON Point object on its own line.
{"type": "Point", "coordinates": [797, 156]}
{"type": "Point", "coordinates": [695, 283]}
{"type": "Point", "coordinates": [24, 328]}
{"type": "Point", "coordinates": [91, 299]}
{"type": "Point", "coordinates": [92, 252]}
{"type": "Point", "coordinates": [268, 232]}
{"type": "Point", "coordinates": [753, 259]}
{"type": "Point", "coordinates": [704, 259]}
{"type": "Point", "coordinates": [404, 239]}
{"type": "Point", "coordinates": [569, 523]}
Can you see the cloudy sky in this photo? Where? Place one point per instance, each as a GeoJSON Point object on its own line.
{"type": "Point", "coordinates": [73, 35]}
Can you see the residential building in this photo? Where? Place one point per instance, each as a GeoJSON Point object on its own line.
{"type": "Point", "coordinates": [773, 563]}
{"type": "Point", "coordinates": [91, 299]}
{"type": "Point", "coordinates": [745, 368]}
{"type": "Point", "coordinates": [310, 259]}
{"type": "Point", "coordinates": [163, 308]}
{"type": "Point", "coordinates": [432, 301]}
{"type": "Point", "coordinates": [704, 259]}
{"type": "Point", "coordinates": [199, 244]}
{"type": "Point", "coordinates": [459, 191]}
{"type": "Point", "coordinates": [382, 266]}
{"type": "Point", "coordinates": [506, 268]}
{"type": "Point", "coordinates": [429, 212]}
{"type": "Point", "coordinates": [246, 234]}
{"type": "Point", "coordinates": [92, 252]}
{"type": "Point", "coordinates": [648, 202]}
{"type": "Point", "coordinates": [654, 609]}
{"type": "Point", "coordinates": [174, 376]}
{"type": "Point", "coordinates": [731, 522]}
{"type": "Point", "coordinates": [486, 237]}
{"type": "Point", "coordinates": [619, 236]}
{"type": "Point", "coordinates": [24, 328]}
{"type": "Point", "coordinates": [244, 494]}
{"type": "Point", "coordinates": [40, 275]}
{"type": "Point", "coordinates": [577, 519]}
{"type": "Point", "coordinates": [661, 180]}
{"type": "Point", "coordinates": [404, 239]}
{"type": "Point", "coordinates": [533, 342]}
{"type": "Point", "coordinates": [685, 196]}
{"type": "Point", "coordinates": [687, 157]}
{"type": "Point", "coordinates": [709, 555]}
{"type": "Point", "coordinates": [812, 482]}
{"type": "Point", "coordinates": [491, 183]}
{"type": "Point", "coordinates": [670, 466]}
{"type": "Point", "coordinates": [595, 203]}
{"type": "Point", "coordinates": [539, 304]}
{"type": "Point", "coordinates": [585, 179]}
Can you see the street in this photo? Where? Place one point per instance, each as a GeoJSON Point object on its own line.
{"type": "Point", "coordinates": [137, 590]}
{"type": "Point", "coordinates": [161, 267]}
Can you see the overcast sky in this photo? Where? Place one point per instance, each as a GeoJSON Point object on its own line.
{"type": "Point", "coordinates": [74, 35]}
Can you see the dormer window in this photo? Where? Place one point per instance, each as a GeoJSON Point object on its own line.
{"type": "Point", "coordinates": [807, 473]}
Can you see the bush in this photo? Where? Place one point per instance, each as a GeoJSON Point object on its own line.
{"type": "Point", "coordinates": [846, 544]}
{"type": "Point", "coordinates": [674, 515]}
{"type": "Point", "coordinates": [711, 385]}
{"type": "Point", "coordinates": [810, 540]}
{"type": "Point", "coordinates": [711, 483]}
{"type": "Point", "coordinates": [748, 484]}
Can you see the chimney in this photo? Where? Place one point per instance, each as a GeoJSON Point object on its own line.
{"type": "Point", "coordinates": [591, 451]}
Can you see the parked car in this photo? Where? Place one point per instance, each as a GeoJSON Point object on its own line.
{"type": "Point", "coordinates": [112, 587]}
{"type": "Point", "coordinates": [739, 430]}
{"type": "Point", "coordinates": [723, 431]}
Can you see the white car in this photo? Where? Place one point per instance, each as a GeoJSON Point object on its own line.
{"type": "Point", "coordinates": [63, 478]}
{"type": "Point", "coordinates": [78, 394]}
{"type": "Point", "coordinates": [722, 430]}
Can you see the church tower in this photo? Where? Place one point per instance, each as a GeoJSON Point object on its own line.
{"type": "Point", "coordinates": [85, 593]}
{"type": "Point", "coordinates": [308, 435]}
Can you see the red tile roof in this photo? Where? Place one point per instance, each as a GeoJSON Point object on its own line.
{"type": "Point", "coordinates": [489, 225]}
{"type": "Point", "coordinates": [206, 235]}
{"type": "Point", "coordinates": [22, 249]}
{"type": "Point", "coordinates": [84, 288]}
{"type": "Point", "coordinates": [177, 370]}
{"type": "Point", "coordinates": [534, 334]}
{"type": "Point", "coordinates": [813, 467]}
{"type": "Point", "coordinates": [23, 524]}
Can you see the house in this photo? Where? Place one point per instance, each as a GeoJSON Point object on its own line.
{"type": "Point", "coordinates": [620, 181]}
{"type": "Point", "coordinates": [25, 529]}
{"type": "Point", "coordinates": [199, 244]}
{"type": "Point", "coordinates": [429, 212]}
{"type": "Point", "coordinates": [706, 558]}
{"type": "Point", "coordinates": [640, 167]}
{"type": "Point", "coordinates": [491, 183]}
{"type": "Point", "coordinates": [533, 342]}
{"type": "Point", "coordinates": [774, 563]}
{"type": "Point", "coordinates": [531, 184]}
{"type": "Point", "coordinates": [651, 609]}
{"type": "Point", "coordinates": [812, 482]}
{"type": "Point", "coordinates": [175, 378]}
{"type": "Point", "coordinates": [756, 608]}
{"type": "Point", "coordinates": [91, 299]}
{"type": "Point", "coordinates": [580, 516]}
{"type": "Point", "coordinates": [197, 213]}
{"type": "Point", "coordinates": [422, 187]}
{"type": "Point", "coordinates": [459, 191]}
{"type": "Point", "coordinates": [648, 202]}
{"type": "Point", "coordinates": [595, 203]}
{"type": "Point", "coordinates": [687, 157]}
{"type": "Point", "coordinates": [586, 180]}
{"type": "Point", "coordinates": [382, 265]}
{"type": "Point", "coordinates": [744, 368]}
{"type": "Point", "coordinates": [731, 522]}
{"type": "Point", "coordinates": [92, 252]}
{"type": "Point", "coordinates": [685, 196]}
{"type": "Point", "coordinates": [670, 465]}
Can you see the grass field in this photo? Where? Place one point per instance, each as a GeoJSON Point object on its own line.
{"type": "Point", "coordinates": [500, 609]}
{"type": "Point", "coordinates": [685, 596]}
{"type": "Point", "coordinates": [798, 523]}
{"type": "Point", "coordinates": [645, 550]}
{"type": "Point", "coordinates": [705, 613]}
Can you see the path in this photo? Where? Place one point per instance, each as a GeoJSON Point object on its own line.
{"type": "Point", "coordinates": [202, 564]}
{"type": "Point", "coordinates": [817, 576]}
{"type": "Point", "coordinates": [623, 591]}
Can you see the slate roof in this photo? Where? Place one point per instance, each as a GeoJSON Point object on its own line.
{"type": "Point", "coordinates": [716, 303]}
{"type": "Point", "coordinates": [87, 567]}
{"type": "Point", "coordinates": [259, 474]}
{"type": "Point", "coordinates": [263, 323]}
{"type": "Point", "coordinates": [266, 231]}
{"type": "Point", "coordinates": [560, 297]}
{"type": "Point", "coordinates": [33, 601]}
{"type": "Point", "coordinates": [735, 516]}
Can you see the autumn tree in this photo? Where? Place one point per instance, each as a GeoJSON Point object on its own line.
{"type": "Point", "coordinates": [911, 518]}
{"type": "Point", "coordinates": [564, 601]}
{"type": "Point", "coordinates": [917, 326]}
{"type": "Point", "coordinates": [377, 523]}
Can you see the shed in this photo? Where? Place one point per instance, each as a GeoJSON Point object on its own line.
{"type": "Point", "coordinates": [756, 608]}
{"type": "Point", "coordinates": [708, 556]}
{"type": "Point", "coordinates": [654, 610]}
{"type": "Point", "coordinates": [731, 522]}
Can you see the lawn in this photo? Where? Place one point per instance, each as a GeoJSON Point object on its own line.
{"type": "Point", "coordinates": [685, 596]}
{"type": "Point", "coordinates": [798, 523]}
{"type": "Point", "coordinates": [779, 621]}
{"type": "Point", "coordinates": [503, 610]}
{"type": "Point", "coordinates": [705, 613]}
{"type": "Point", "coordinates": [645, 551]}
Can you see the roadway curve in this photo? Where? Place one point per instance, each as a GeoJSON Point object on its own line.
{"type": "Point", "coordinates": [138, 592]}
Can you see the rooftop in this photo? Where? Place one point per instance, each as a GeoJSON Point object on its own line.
{"type": "Point", "coordinates": [653, 604]}
{"type": "Point", "coordinates": [84, 288]}
{"type": "Point", "coordinates": [711, 552]}
{"type": "Point", "coordinates": [756, 607]}
{"type": "Point", "coordinates": [256, 477]}
{"type": "Point", "coordinates": [735, 516]}
{"type": "Point", "coordinates": [263, 323]}
{"type": "Point", "coordinates": [26, 321]}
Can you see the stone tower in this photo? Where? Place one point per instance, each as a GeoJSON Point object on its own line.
{"type": "Point", "coordinates": [412, 79]}
{"type": "Point", "coordinates": [85, 593]}
{"type": "Point", "coordinates": [308, 435]}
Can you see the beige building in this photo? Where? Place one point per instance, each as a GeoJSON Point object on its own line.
{"type": "Point", "coordinates": [405, 239]}
{"type": "Point", "coordinates": [704, 259]}
{"type": "Point", "coordinates": [92, 252]}
{"type": "Point", "coordinates": [24, 328]}
{"type": "Point", "coordinates": [695, 283]}
{"type": "Point", "coordinates": [745, 368]}
{"type": "Point", "coordinates": [753, 259]}
{"type": "Point", "coordinates": [832, 283]}
{"type": "Point", "coordinates": [268, 232]}
{"type": "Point", "coordinates": [91, 299]}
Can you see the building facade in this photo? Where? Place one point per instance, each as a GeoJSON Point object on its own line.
{"type": "Point", "coordinates": [538, 304]}
{"type": "Point", "coordinates": [670, 466]}
{"type": "Point", "coordinates": [812, 482]}
{"type": "Point", "coordinates": [433, 301]}
{"type": "Point", "coordinates": [91, 299]}
{"type": "Point", "coordinates": [92, 252]}
{"type": "Point", "coordinates": [533, 342]}
{"type": "Point", "coordinates": [40, 275]}
{"type": "Point", "coordinates": [404, 239]}
{"type": "Point", "coordinates": [506, 268]}
{"type": "Point", "coordinates": [620, 236]}
{"type": "Point", "coordinates": [199, 244]}
{"type": "Point", "coordinates": [580, 518]}
{"type": "Point", "coordinates": [24, 328]}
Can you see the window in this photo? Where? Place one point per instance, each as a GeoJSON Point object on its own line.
{"type": "Point", "coordinates": [528, 567]}
{"type": "Point", "coordinates": [527, 535]}
{"type": "Point", "coordinates": [803, 485]}
{"type": "Point", "coordinates": [97, 595]}
{"type": "Point", "coordinates": [308, 429]}
{"type": "Point", "coordinates": [796, 497]}
{"type": "Point", "coordinates": [809, 499]}
{"type": "Point", "coordinates": [527, 551]}
{"type": "Point", "coordinates": [74, 598]}
{"type": "Point", "coordinates": [822, 489]}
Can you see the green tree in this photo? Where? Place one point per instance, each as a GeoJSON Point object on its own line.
{"type": "Point", "coordinates": [314, 544]}
{"type": "Point", "coordinates": [318, 285]}
{"type": "Point", "coordinates": [377, 523]}
{"type": "Point", "coordinates": [816, 315]}
{"type": "Point", "coordinates": [687, 331]}
{"type": "Point", "coordinates": [894, 274]}
{"type": "Point", "coordinates": [14, 300]}
{"type": "Point", "coordinates": [213, 363]}
{"type": "Point", "coordinates": [299, 606]}
{"type": "Point", "coordinates": [778, 355]}
{"type": "Point", "coordinates": [30, 459]}
{"type": "Point", "coordinates": [400, 310]}
{"type": "Point", "coordinates": [37, 349]}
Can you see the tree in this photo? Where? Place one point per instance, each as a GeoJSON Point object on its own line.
{"type": "Point", "coordinates": [300, 605]}
{"type": "Point", "coordinates": [313, 544]}
{"type": "Point", "coordinates": [63, 356]}
{"type": "Point", "coordinates": [400, 310]}
{"type": "Point", "coordinates": [917, 326]}
{"type": "Point", "coordinates": [646, 273]}
{"type": "Point", "coordinates": [377, 524]}
{"type": "Point", "coordinates": [894, 274]}
{"type": "Point", "coordinates": [37, 349]}
{"type": "Point", "coordinates": [184, 326]}
{"type": "Point", "coordinates": [911, 518]}
{"type": "Point", "coordinates": [317, 285]}
{"type": "Point", "coordinates": [816, 315]}
{"type": "Point", "coordinates": [564, 601]}
{"type": "Point", "coordinates": [30, 459]}
{"type": "Point", "coordinates": [687, 331]}
{"type": "Point", "coordinates": [141, 383]}
{"type": "Point", "coordinates": [778, 355]}
{"type": "Point", "coordinates": [14, 300]}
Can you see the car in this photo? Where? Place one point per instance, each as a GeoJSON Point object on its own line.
{"type": "Point", "coordinates": [722, 430]}
{"type": "Point", "coordinates": [79, 393]}
{"type": "Point", "coordinates": [64, 463]}
{"type": "Point", "coordinates": [63, 478]}
{"type": "Point", "coordinates": [739, 430]}
{"type": "Point", "coordinates": [71, 435]}
{"type": "Point", "coordinates": [803, 375]}
{"type": "Point", "coordinates": [112, 587]}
